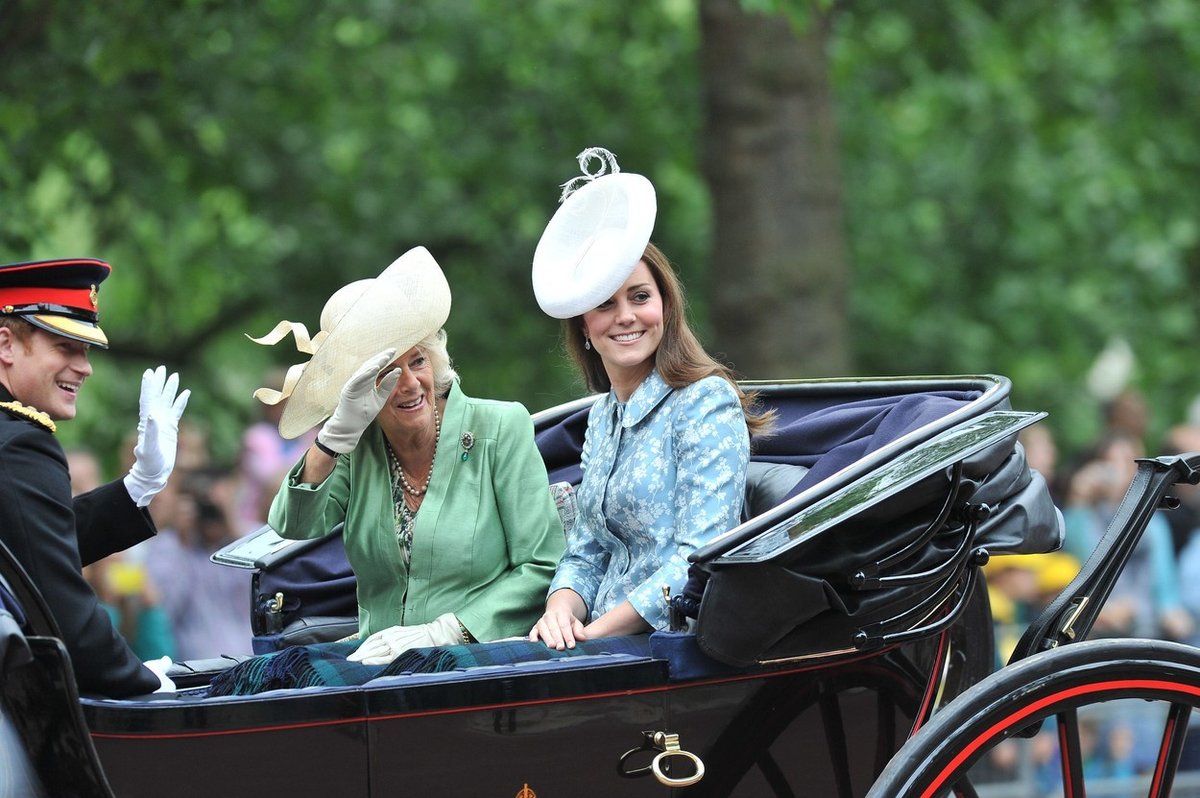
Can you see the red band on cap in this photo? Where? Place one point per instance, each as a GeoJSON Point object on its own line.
{"type": "Point", "coordinates": [82, 298]}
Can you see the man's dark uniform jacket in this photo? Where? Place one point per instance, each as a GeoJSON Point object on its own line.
{"type": "Point", "coordinates": [53, 536]}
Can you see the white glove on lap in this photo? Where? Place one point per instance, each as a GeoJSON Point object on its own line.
{"type": "Point", "coordinates": [383, 647]}
{"type": "Point", "coordinates": [159, 410]}
{"type": "Point", "coordinates": [160, 667]}
{"type": "Point", "coordinates": [361, 400]}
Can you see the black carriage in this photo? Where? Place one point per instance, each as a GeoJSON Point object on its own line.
{"type": "Point", "coordinates": [820, 647]}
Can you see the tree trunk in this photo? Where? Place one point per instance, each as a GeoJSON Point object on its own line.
{"type": "Point", "coordinates": [779, 268]}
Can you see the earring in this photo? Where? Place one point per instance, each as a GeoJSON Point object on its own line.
{"type": "Point", "coordinates": [587, 342]}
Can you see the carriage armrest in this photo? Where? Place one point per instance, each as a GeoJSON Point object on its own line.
{"type": "Point", "coordinates": [197, 672]}
{"type": "Point", "coordinates": [306, 631]}
{"type": "Point", "coordinates": [318, 629]}
{"type": "Point", "coordinates": [264, 549]}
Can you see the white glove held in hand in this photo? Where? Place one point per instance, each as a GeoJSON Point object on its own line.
{"type": "Point", "coordinates": [159, 410]}
{"type": "Point", "coordinates": [160, 667]}
{"type": "Point", "coordinates": [383, 647]}
{"type": "Point", "coordinates": [360, 402]}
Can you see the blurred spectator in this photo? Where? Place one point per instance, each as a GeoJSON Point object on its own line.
{"type": "Point", "coordinates": [1189, 578]}
{"type": "Point", "coordinates": [1127, 416]}
{"type": "Point", "coordinates": [86, 473]}
{"type": "Point", "coordinates": [208, 604]}
{"type": "Point", "coordinates": [193, 452]}
{"type": "Point", "coordinates": [1041, 454]}
{"type": "Point", "coordinates": [265, 457]}
{"type": "Point", "coordinates": [1019, 588]}
{"type": "Point", "coordinates": [1145, 601]}
{"type": "Point", "coordinates": [133, 604]}
{"type": "Point", "coordinates": [1183, 439]}
{"type": "Point", "coordinates": [120, 579]}
{"type": "Point", "coordinates": [1105, 750]}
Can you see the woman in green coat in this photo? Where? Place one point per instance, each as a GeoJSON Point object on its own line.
{"type": "Point", "coordinates": [449, 523]}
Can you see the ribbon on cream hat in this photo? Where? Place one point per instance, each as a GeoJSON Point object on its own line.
{"type": "Point", "coordinates": [407, 302]}
{"type": "Point", "coordinates": [595, 239]}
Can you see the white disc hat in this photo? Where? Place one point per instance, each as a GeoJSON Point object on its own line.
{"type": "Point", "coordinates": [595, 239]}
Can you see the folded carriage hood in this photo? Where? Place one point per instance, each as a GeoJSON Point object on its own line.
{"type": "Point", "coordinates": [789, 584]}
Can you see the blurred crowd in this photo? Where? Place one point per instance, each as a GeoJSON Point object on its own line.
{"type": "Point", "coordinates": [1157, 595]}
{"type": "Point", "coordinates": [165, 595]}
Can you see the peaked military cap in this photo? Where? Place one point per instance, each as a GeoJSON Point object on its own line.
{"type": "Point", "coordinates": [59, 296]}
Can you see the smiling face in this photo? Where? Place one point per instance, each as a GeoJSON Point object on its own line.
{"type": "Point", "coordinates": [627, 329]}
{"type": "Point", "coordinates": [43, 370]}
{"type": "Point", "coordinates": [409, 408]}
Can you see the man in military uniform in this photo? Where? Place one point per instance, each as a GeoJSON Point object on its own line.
{"type": "Point", "coordinates": [48, 324]}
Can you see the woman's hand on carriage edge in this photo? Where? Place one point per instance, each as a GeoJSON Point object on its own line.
{"type": "Point", "coordinates": [561, 624]}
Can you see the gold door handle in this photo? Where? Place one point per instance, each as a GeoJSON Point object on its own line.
{"type": "Point", "coordinates": [666, 744]}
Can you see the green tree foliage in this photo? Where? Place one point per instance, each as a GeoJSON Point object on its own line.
{"type": "Point", "coordinates": [1022, 189]}
{"type": "Point", "coordinates": [1019, 177]}
{"type": "Point", "coordinates": [237, 162]}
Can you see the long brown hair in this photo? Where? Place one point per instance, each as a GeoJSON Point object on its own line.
{"type": "Point", "coordinates": [680, 358]}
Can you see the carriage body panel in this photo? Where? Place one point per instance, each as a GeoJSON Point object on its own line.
{"type": "Point", "coordinates": [552, 727]}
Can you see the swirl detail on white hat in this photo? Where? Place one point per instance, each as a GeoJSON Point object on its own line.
{"type": "Point", "coordinates": [596, 237]}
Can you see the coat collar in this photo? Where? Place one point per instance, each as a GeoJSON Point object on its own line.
{"type": "Point", "coordinates": [645, 398]}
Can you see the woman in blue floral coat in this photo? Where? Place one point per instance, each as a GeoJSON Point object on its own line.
{"type": "Point", "coordinates": [666, 449]}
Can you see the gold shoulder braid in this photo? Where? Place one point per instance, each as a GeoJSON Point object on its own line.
{"type": "Point", "coordinates": [30, 413]}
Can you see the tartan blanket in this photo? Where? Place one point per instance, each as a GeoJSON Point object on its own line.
{"type": "Point", "coordinates": [325, 664]}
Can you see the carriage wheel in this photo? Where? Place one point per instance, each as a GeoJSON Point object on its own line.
{"type": "Point", "coordinates": [1076, 689]}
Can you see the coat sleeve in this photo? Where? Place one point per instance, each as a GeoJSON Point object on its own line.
{"type": "Point", "coordinates": [37, 521]}
{"type": "Point", "coordinates": [302, 511]}
{"type": "Point", "coordinates": [532, 530]}
{"type": "Point", "coordinates": [107, 520]}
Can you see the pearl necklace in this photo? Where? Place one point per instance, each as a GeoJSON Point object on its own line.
{"type": "Point", "coordinates": [437, 427]}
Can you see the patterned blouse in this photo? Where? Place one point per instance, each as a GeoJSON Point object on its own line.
{"type": "Point", "coordinates": [663, 475]}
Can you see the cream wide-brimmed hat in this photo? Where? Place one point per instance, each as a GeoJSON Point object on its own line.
{"type": "Point", "coordinates": [408, 301]}
{"type": "Point", "coordinates": [595, 239]}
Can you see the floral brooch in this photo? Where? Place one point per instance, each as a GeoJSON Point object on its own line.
{"type": "Point", "coordinates": [467, 441]}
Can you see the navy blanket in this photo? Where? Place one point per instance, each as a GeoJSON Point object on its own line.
{"type": "Point", "coordinates": [325, 664]}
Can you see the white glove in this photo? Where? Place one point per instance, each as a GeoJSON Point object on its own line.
{"type": "Point", "coordinates": [159, 410]}
{"type": "Point", "coordinates": [360, 402]}
{"type": "Point", "coordinates": [383, 647]}
{"type": "Point", "coordinates": [160, 667]}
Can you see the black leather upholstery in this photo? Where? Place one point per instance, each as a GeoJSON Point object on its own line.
{"type": "Point", "coordinates": [768, 484]}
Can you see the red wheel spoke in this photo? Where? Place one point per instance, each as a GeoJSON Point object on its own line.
{"type": "Point", "coordinates": [1174, 736]}
{"type": "Point", "coordinates": [1070, 756]}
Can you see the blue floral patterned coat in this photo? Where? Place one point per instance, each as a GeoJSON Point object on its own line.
{"type": "Point", "coordinates": [663, 474]}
